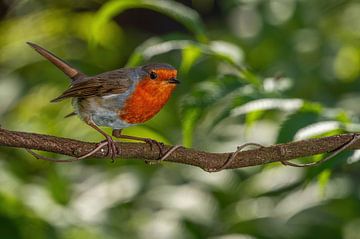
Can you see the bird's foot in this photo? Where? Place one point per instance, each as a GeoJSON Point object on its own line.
{"type": "Point", "coordinates": [153, 142]}
{"type": "Point", "coordinates": [111, 152]}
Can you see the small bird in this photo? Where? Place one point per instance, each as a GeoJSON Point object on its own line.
{"type": "Point", "coordinates": [117, 99]}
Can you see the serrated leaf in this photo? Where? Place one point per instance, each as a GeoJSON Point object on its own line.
{"type": "Point", "coordinates": [287, 105]}
{"type": "Point", "coordinates": [316, 129]}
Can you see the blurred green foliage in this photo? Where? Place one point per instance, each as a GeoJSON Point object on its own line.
{"type": "Point", "coordinates": [251, 70]}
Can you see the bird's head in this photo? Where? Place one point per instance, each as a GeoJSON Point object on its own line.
{"type": "Point", "coordinates": [160, 74]}
{"type": "Point", "coordinates": [154, 85]}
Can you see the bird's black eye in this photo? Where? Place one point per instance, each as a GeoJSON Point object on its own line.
{"type": "Point", "coordinates": [153, 75]}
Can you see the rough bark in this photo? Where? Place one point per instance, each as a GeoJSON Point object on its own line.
{"type": "Point", "coordinates": [205, 160]}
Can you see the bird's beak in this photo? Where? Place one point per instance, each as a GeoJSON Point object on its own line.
{"type": "Point", "coordinates": [173, 81]}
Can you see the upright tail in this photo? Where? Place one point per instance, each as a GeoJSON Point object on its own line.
{"type": "Point", "coordinates": [62, 65]}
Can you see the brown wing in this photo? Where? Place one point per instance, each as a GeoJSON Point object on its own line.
{"type": "Point", "coordinates": [113, 82]}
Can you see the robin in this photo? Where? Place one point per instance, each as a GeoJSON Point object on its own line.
{"type": "Point", "coordinates": [117, 99]}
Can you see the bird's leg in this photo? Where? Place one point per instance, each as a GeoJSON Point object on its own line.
{"type": "Point", "coordinates": [112, 150]}
{"type": "Point", "coordinates": [117, 133]}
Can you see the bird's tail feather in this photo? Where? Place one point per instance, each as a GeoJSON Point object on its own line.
{"type": "Point", "coordinates": [71, 72]}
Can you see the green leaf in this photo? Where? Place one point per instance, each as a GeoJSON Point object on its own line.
{"type": "Point", "coordinates": [154, 47]}
{"type": "Point", "coordinates": [252, 117]}
{"type": "Point", "coordinates": [210, 92]}
{"type": "Point", "coordinates": [228, 52]}
{"type": "Point", "coordinates": [287, 105]}
{"type": "Point", "coordinates": [295, 122]}
{"type": "Point", "coordinates": [251, 78]}
{"type": "Point", "coordinates": [323, 180]}
{"type": "Point", "coordinates": [318, 129]}
{"type": "Point", "coordinates": [213, 98]}
{"type": "Point", "coordinates": [190, 54]}
{"type": "Point", "coordinates": [179, 12]}
{"type": "Point", "coordinates": [277, 84]}
{"type": "Point", "coordinates": [335, 162]}
{"type": "Point", "coordinates": [189, 122]}
{"type": "Point", "coordinates": [223, 52]}
{"type": "Point", "coordinates": [343, 117]}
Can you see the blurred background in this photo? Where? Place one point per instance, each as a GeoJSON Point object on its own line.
{"type": "Point", "coordinates": [251, 70]}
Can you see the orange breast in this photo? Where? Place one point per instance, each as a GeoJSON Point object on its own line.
{"type": "Point", "coordinates": [147, 100]}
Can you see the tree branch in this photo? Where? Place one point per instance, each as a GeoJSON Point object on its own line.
{"type": "Point", "coordinates": [205, 160]}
